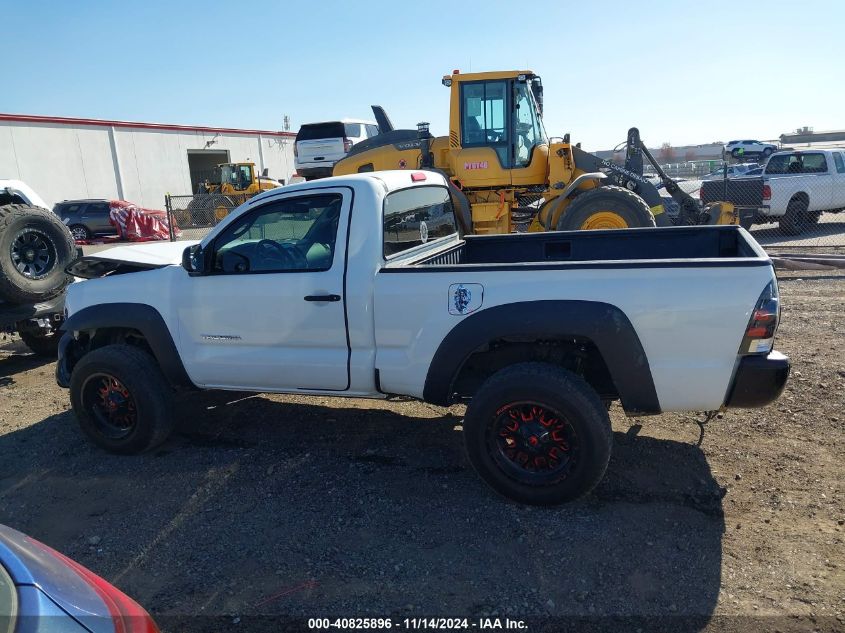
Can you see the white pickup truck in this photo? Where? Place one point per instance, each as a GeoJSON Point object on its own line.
{"type": "Point", "coordinates": [362, 286]}
{"type": "Point", "coordinates": [798, 186]}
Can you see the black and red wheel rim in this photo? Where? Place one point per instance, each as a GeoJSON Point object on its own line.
{"type": "Point", "coordinates": [533, 443]}
{"type": "Point", "coordinates": [111, 406]}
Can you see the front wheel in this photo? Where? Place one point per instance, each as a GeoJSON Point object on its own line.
{"type": "Point", "coordinates": [538, 434]}
{"type": "Point", "coordinates": [121, 399]}
{"type": "Point", "coordinates": [80, 233]}
{"type": "Point", "coordinates": [607, 207]}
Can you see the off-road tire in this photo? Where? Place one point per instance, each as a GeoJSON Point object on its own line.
{"type": "Point", "coordinates": [16, 222]}
{"type": "Point", "coordinates": [624, 203]}
{"type": "Point", "coordinates": [558, 390]}
{"type": "Point", "coordinates": [140, 374]}
{"type": "Point", "coordinates": [40, 343]}
{"type": "Point", "coordinates": [794, 221]}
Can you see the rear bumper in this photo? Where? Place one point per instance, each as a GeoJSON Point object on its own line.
{"type": "Point", "coordinates": [12, 313]}
{"type": "Point", "coordinates": [759, 380]}
{"type": "Point", "coordinates": [312, 173]}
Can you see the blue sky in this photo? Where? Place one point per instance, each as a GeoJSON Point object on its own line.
{"type": "Point", "coordinates": [682, 72]}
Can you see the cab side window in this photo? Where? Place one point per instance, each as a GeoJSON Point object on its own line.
{"type": "Point", "coordinates": [290, 235]}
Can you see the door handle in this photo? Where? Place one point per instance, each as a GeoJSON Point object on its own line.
{"type": "Point", "coordinates": [322, 297]}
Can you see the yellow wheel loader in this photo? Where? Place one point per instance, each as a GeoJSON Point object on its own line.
{"type": "Point", "coordinates": [503, 166]}
{"type": "Point", "coordinates": [230, 185]}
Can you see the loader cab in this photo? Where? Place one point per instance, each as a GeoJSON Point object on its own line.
{"type": "Point", "coordinates": [234, 177]}
{"type": "Point", "coordinates": [496, 128]}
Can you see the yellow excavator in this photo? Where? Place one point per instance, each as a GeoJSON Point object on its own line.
{"type": "Point", "coordinates": [229, 186]}
{"type": "Point", "coordinates": [503, 167]}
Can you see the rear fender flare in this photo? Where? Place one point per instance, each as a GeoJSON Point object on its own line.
{"type": "Point", "coordinates": [604, 324]}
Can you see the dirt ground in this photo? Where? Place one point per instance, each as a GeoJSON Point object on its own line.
{"type": "Point", "coordinates": [308, 507]}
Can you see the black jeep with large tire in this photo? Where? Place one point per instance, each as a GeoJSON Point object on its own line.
{"type": "Point", "coordinates": [35, 248]}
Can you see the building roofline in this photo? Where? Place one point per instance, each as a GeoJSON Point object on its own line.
{"type": "Point", "coordinates": [35, 118]}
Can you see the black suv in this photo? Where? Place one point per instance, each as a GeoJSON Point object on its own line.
{"type": "Point", "coordinates": [85, 218]}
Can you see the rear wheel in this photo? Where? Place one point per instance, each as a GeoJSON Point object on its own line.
{"type": "Point", "coordinates": [42, 341]}
{"type": "Point", "coordinates": [794, 221]}
{"type": "Point", "coordinates": [538, 434]}
{"type": "Point", "coordinates": [768, 151]}
{"type": "Point", "coordinates": [607, 207]}
{"type": "Point", "coordinates": [121, 399]}
{"type": "Point", "coordinates": [35, 247]}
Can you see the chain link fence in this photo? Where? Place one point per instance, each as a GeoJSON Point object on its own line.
{"type": "Point", "coordinates": [196, 215]}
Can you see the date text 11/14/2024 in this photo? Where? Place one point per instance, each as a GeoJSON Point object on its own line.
{"type": "Point", "coordinates": [415, 624]}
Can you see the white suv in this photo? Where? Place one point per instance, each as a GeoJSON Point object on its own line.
{"type": "Point", "coordinates": [320, 145]}
{"type": "Point", "coordinates": [746, 148]}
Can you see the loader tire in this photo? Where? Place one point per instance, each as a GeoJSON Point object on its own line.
{"type": "Point", "coordinates": [607, 207]}
{"type": "Point", "coordinates": [35, 248]}
{"type": "Point", "coordinates": [205, 210]}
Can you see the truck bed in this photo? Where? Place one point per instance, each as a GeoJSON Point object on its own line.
{"type": "Point", "coordinates": [678, 246]}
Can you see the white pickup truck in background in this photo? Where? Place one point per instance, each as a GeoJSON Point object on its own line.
{"type": "Point", "coordinates": [362, 286]}
{"type": "Point", "coordinates": [798, 186]}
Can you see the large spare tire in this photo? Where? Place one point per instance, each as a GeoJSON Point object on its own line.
{"type": "Point", "coordinates": [35, 247]}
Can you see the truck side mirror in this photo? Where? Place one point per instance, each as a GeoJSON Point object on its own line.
{"type": "Point", "coordinates": [193, 260]}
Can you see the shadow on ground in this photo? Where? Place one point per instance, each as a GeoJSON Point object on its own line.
{"type": "Point", "coordinates": [264, 508]}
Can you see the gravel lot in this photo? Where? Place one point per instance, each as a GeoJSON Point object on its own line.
{"type": "Point", "coordinates": [303, 507]}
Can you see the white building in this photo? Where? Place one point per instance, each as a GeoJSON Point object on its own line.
{"type": "Point", "coordinates": [65, 158]}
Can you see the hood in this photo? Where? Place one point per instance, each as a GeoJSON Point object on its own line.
{"type": "Point", "coordinates": [154, 254]}
{"type": "Point", "coordinates": [127, 259]}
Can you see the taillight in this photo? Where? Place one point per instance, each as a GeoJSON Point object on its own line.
{"type": "Point", "coordinates": [760, 333]}
{"type": "Point", "coordinates": [347, 144]}
{"type": "Point", "coordinates": [295, 150]}
{"type": "Point", "coordinates": [767, 192]}
{"type": "Point", "coordinates": [127, 615]}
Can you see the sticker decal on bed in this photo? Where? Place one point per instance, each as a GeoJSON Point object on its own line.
{"type": "Point", "coordinates": [465, 298]}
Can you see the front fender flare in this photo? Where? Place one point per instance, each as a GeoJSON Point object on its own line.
{"type": "Point", "coordinates": [137, 316]}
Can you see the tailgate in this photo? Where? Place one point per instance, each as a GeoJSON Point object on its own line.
{"type": "Point", "coordinates": [743, 192]}
{"type": "Point", "coordinates": [319, 150]}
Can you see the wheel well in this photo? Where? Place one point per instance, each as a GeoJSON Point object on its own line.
{"type": "Point", "coordinates": [576, 354]}
{"type": "Point", "coordinates": [800, 197]}
{"type": "Point", "coordinates": [7, 197]}
{"type": "Point", "coordinates": [89, 340]}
